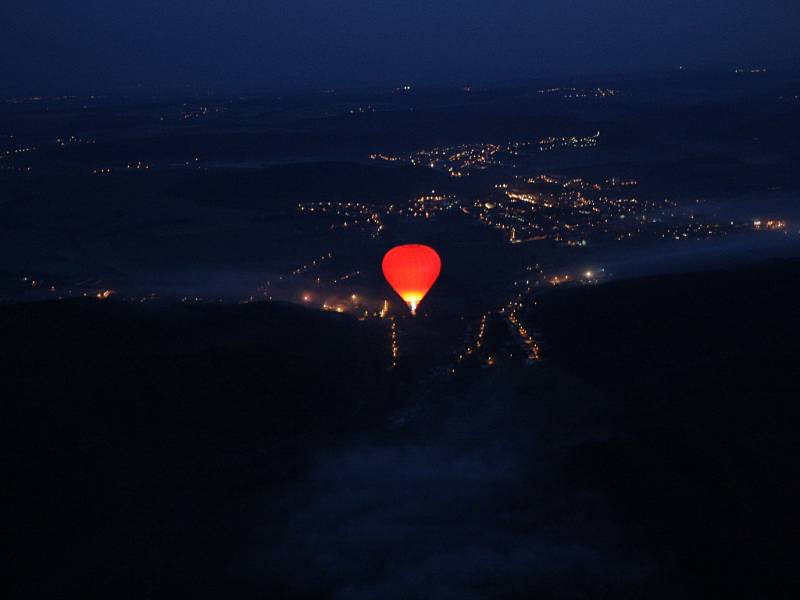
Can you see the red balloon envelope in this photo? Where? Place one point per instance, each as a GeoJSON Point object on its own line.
{"type": "Point", "coordinates": [411, 270]}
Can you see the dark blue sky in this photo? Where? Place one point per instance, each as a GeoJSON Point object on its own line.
{"type": "Point", "coordinates": [82, 45]}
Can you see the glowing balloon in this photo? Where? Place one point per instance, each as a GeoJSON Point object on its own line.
{"type": "Point", "coordinates": [411, 270]}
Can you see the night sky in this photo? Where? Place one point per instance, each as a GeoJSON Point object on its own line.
{"type": "Point", "coordinates": [58, 46]}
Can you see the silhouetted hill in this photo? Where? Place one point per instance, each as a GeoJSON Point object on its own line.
{"type": "Point", "coordinates": [121, 421]}
{"type": "Point", "coordinates": [698, 373]}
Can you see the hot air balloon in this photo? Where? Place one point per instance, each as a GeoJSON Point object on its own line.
{"type": "Point", "coordinates": [411, 270]}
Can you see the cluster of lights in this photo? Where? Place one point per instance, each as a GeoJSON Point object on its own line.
{"type": "Point", "coordinates": [14, 169]}
{"type": "Point", "coordinates": [351, 304]}
{"type": "Point", "coordinates": [517, 329]}
{"type": "Point", "coordinates": [302, 269]}
{"type": "Point", "coordinates": [359, 110]}
{"type": "Point", "coordinates": [63, 291]}
{"type": "Point", "coordinates": [17, 151]}
{"type": "Point", "coordinates": [200, 112]}
{"type": "Point", "coordinates": [475, 344]}
{"type": "Point", "coordinates": [530, 346]}
{"type": "Point", "coordinates": [27, 99]}
{"type": "Point", "coordinates": [346, 277]}
{"type": "Point", "coordinates": [333, 307]}
{"type": "Point", "coordinates": [395, 345]}
{"type": "Point", "coordinates": [696, 228]}
{"type": "Point", "coordinates": [428, 205]}
{"type": "Point", "coordinates": [614, 182]}
{"type": "Point", "coordinates": [188, 299]}
{"type": "Point", "coordinates": [355, 214]}
{"type": "Point", "coordinates": [265, 289]}
{"type": "Point", "coordinates": [571, 92]}
{"type": "Point", "coordinates": [384, 157]}
{"type": "Point", "coordinates": [24, 99]}
{"type": "Point", "coordinates": [565, 210]}
{"type": "Point", "coordinates": [72, 140]}
{"type": "Point", "coordinates": [458, 161]}
{"type": "Point", "coordinates": [142, 299]}
{"type": "Point", "coordinates": [771, 224]}
{"type": "Point", "coordinates": [12, 153]}
{"type": "Point", "coordinates": [554, 143]}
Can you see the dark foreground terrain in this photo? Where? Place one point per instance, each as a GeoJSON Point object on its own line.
{"type": "Point", "coordinates": [699, 374]}
{"type": "Point", "coordinates": [266, 451]}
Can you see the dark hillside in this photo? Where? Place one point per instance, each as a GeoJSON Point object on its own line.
{"type": "Point", "coordinates": [127, 424]}
{"type": "Point", "coordinates": [699, 373]}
